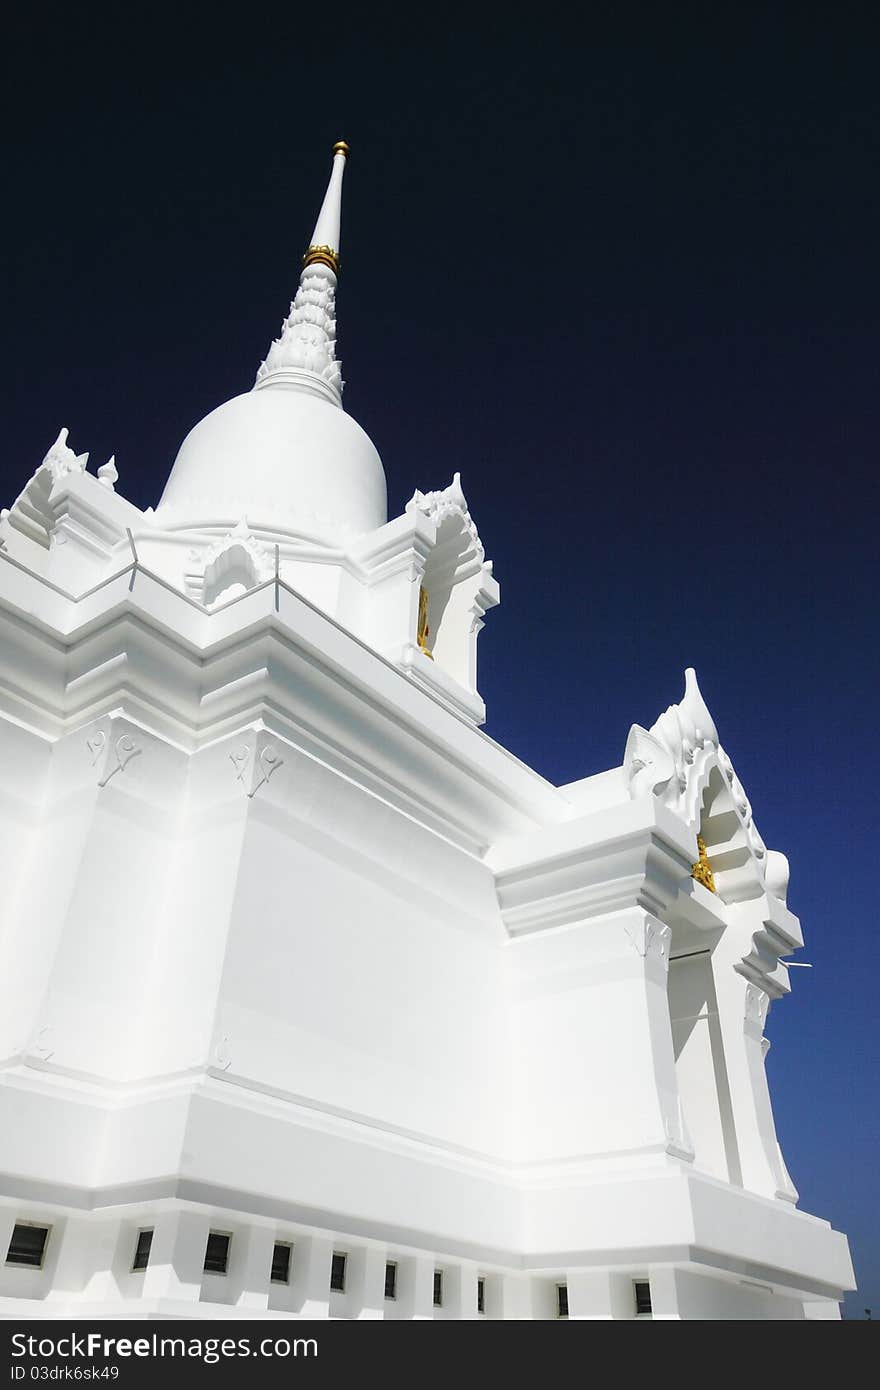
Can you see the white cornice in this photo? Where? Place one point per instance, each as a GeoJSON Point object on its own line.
{"type": "Point", "coordinates": [135, 642]}
{"type": "Point", "coordinates": [631, 854]}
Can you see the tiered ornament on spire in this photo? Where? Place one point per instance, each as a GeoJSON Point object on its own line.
{"type": "Point", "coordinates": [304, 357]}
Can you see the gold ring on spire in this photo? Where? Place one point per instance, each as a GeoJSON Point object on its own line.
{"type": "Point", "coordinates": [341, 148]}
{"type": "Point", "coordinates": [322, 255]}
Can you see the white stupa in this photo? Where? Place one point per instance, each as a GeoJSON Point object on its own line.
{"type": "Point", "coordinates": [316, 1001]}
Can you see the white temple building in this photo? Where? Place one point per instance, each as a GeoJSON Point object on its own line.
{"type": "Point", "coordinates": [316, 1001]}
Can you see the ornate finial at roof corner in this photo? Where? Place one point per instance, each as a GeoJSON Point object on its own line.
{"type": "Point", "coordinates": [108, 473]}
{"type": "Point", "coordinates": [695, 706]}
{"type": "Point", "coordinates": [455, 489]}
{"type": "Point", "coordinates": [61, 459]}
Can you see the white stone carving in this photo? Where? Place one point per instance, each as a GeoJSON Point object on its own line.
{"type": "Point", "coordinates": [96, 744]}
{"type": "Point", "coordinates": [42, 1046]}
{"type": "Point", "coordinates": [108, 474]}
{"type": "Point", "coordinates": [118, 752]}
{"type": "Point", "coordinates": [61, 460]}
{"type": "Point", "coordinates": [447, 502]}
{"type": "Point", "coordinates": [668, 750]}
{"type": "Point", "coordinates": [650, 939]}
{"type": "Point", "coordinates": [756, 1006]}
{"type": "Point", "coordinates": [255, 765]}
{"type": "Point", "coordinates": [648, 764]}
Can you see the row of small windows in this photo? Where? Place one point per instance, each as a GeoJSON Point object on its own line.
{"type": "Point", "coordinates": [641, 1295]}
{"type": "Point", "coordinates": [337, 1281]}
{"type": "Point", "coordinates": [28, 1247]}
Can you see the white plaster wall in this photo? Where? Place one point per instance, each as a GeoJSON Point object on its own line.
{"type": "Point", "coordinates": [179, 997]}
{"type": "Point", "coordinates": [592, 1057]}
{"type": "Point", "coordinates": [336, 990]}
{"type": "Point", "coordinates": [338, 1172]}
{"type": "Point", "coordinates": [453, 641]}
{"type": "Point", "coordinates": [115, 843]}
{"type": "Point", "coordinates": [693, 1296]}
{"type": "Point", "coordinates": [26, 938]}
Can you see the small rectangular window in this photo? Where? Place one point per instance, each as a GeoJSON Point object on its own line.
{"type": "Point", "coordinates": [562, 1300]}
{"type": "Point", "coordinates": [142, 1250]}
{"type": "Point", "coordinates": [438, 1288]}
{"type": "Point", "coordinates": [642, 1291]}
{"type": "Point", "coordinates": [281, 1262]}
{"type": "Point", "coordinates": [28, 1245]}
{"type": "Point", "coordinates": [337, 1272]}
{"type": "Point", "coordinates": [217, 1253]}
{"type": "Point", "coordinates": [390, 1279]}
{"type": "Point", "coordinates": [481, 1295]}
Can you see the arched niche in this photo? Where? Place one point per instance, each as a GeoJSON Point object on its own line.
{"type": "Point", "coordinates": [459, 588]}
{"type": "Point", "coordinates": [722, 818]}
{"type": "Point", "coordinates": [228, 568]}
{"type": "Point", "coordinates": [229, 575]}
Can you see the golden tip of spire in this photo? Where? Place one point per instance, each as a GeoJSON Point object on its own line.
{"type": "Point", "coordinates": [341, 148]}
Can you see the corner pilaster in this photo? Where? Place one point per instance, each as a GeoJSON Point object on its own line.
{"type": "Point", "coordinates": [742, 1014]}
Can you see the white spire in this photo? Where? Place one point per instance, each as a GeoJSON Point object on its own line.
{"type": "Point", "coordinates": [304, 357]}
{"type": "Point", "coordinates": [325, 237]}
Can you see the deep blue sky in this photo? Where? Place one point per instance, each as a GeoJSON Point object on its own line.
{"type": "Point", "coordinates": [626, 280]}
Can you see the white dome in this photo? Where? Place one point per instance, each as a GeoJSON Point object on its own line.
{"type": "Point", "coordinates": [282, 459]}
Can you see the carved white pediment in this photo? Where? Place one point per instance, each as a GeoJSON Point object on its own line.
{"type": "Point", "coordinates": [675, 761]}
{"type": "Point", "coordinates": [449, 505]}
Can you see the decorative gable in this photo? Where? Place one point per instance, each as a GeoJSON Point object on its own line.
{"type": "Point", "coordinates": [680, 760]}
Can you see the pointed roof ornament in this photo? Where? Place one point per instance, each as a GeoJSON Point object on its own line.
{"type": "Point", "coordinates": [304, 357]}
{"type": "Point", "coordinates": [659, 759]}
{"type": "Point", "coordinates": [108, 473]}
{"type": "Point", "coordinates": [324, 248]}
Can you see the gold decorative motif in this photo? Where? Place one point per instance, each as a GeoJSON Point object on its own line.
{"type": "Point", "coordinates": [322, 255]}
{"type": "Point", "coordinates": [701, 870]}
{"type": "Point", "coordinates": [424, 629]}
{"type": "Point", "coordinates": [341, 148]}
